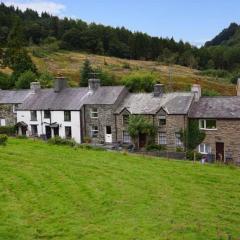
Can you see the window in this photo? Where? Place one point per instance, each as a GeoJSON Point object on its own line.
{"type": "Point", "coordinates": [15, 106]}
{"type": "Point", "coordinates": [162, 120]}
{"type": "Point", "coordinates": [125, 119]}
{"type": "Point", "coordinates": [94, 113]}
{"type": "Point", "coordinates": [162, 138]}
{"type": "Point", "coordinates": [33, 115]}
{"type": "Point", "coordinates": [207, 124]}
{"type": "Point", "coordinates": [2, 122]}
{"type": "Point", "coordinates": [126, 137]}
{"type": "Point", "coordinates": [47, 114]}
{"type": "Point", "coordinates": [34, 130]}
{"type": "Point", "coordinates": [94, 131]}
{"type": "Point", "coordinates": [67, 116]}
{"type": "Point", "coordinates": [178, 140]}
{"type": "Point", "coordinates": [108, 130]}
{"type": "Point", "coordinates": [68, 132]}
{"type": "Point", "coordinates": [204, 148]}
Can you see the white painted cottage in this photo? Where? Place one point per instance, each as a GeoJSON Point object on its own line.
{"type": "Point", "coordinates": [52, 112]}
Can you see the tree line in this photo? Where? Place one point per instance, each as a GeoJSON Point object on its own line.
{"type": "Point", "coordinates": [94, 38]}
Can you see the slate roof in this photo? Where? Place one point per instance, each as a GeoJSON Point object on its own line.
{"type": "Point", "coordinates": [105, 95]}
{"type": "Point", "coordinates": [70, 98]}
{"type": "Point", "coordinates": [216, 107]}
{"type": "Point", "coordinates": [13, 96]}
{"type": "Point", "coordinates": [146, 103]}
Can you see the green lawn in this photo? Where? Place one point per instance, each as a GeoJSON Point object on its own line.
{"type": "Point", "coordinates": [55, 192]}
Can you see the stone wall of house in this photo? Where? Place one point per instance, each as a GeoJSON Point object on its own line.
{"type": "Point", "coordinates": [105, 118]}
{"type": "Point", "coordinates": [227, 132]}
{"type": "Point", "coordinates": [6, 112]}
{"type": "Point", "coordinates": [174, 123]}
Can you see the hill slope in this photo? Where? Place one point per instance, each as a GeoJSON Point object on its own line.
{"type": "Point", "coordinates": [69, 63]}
{"type": "Point", "coordinates": [53, 192]}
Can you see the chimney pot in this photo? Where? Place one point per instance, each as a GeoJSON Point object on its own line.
{"type": "Point", "coordinates": [35, 86]}
{"type": "Point", "coordinates": [60, 83]}
{"type": "Point", "coordinates": [158, 90]}
{"type": "Point", "coordinates": [197, 91]}
{"type": "Point", "coordinates": [93, 84]}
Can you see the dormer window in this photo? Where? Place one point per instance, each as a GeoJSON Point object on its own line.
{"type": "Point", "coordinates": [94, 113]}
{"type": "Point", "coordinates": [207, 124]}
{"type": "Point", "coordinates": [125, 119]}
{"type": "Point", "coordinates": [162, 121]}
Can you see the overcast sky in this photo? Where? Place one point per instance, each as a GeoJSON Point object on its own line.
{"type": "Point", "coordinates": [195, 21]}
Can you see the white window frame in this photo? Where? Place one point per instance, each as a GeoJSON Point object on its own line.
{"type": "Point", "coordinates": [129, 138]}
{"type": "Point", "coordinates": [204, 145]}
{"type": "Point", "coordinates": [94, 111]}
{"type": "Point", "coordinates": [162, 118]}
{"type": "Point", "coordinates": [178, 141]}
{"type": "Point", "coordinates": [203, 124]}
{"type": "Point", "coordinates": [2, 122]}
{"type": "Point", "coordinates": [96, 131]}
{"type": "Point", "coordinates": [159, 141]}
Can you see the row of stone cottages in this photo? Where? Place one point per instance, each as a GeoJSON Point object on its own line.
{"type": "Point", "coordinates": [101, 113]}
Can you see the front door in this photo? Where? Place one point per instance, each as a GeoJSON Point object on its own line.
{"type": "Point", "coordinates": [108, 134]}
{"type": "Point", "coordinates": [48, 132]}
{"type": "Point", "coordinates": [24, 130]}
{"type": "Point", "coordinates": [220, 151]}
{"type": "Point", "coordinates": [56, 131]}
{"type": "Point", "coordinates": [142, 140]}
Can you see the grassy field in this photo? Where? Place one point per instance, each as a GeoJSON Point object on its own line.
{"type": "Point", "coordinates": [55, 192]}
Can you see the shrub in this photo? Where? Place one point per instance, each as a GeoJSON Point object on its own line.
{"type": "Point", "coordinates": [62, 141]}
{"type": "Point", "coordinates": [155, 147]}
{"type": "Point", "coordinates": [3, 139]}
{"type": "Point", "coordinates": [126, 65]}
{"type": "Point", "coordinates": [8, 130]}
{"type": "Point", "coordinates": [190, 155]}
{"type": "Point", "coordinates": [24, 80]}
{"type": "Point", "coordinates": [137, 82]}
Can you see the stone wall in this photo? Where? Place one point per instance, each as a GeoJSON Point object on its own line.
{"type": "Point", "coordinates": [227, 132]}
{"type": "Point", "coordinates": [105, 118]}
{"type": "Point", "coordinates": [174, 123]}
{"type": "Point", "coordinates": [6, 112]}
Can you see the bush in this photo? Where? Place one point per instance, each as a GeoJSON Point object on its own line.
{"type": "Point", "coordinates": [139, 82]}
{"type": "Point", "coordinates": [3, 139]}
{"type": "Point", "coordinates": [90, 147]}
{"type": "Point", "coordinates": [8, 130]}
{"type": "Point", "coordinates": [126, 65]}
{"type": "Point", "coordinates": [62, 141]}
{"type": "Point", "coordinates": [24, 80]}
{"type": "Point", "coordinates": [155, 147]}
{"type": "Point", "coordinates": [190, 155]}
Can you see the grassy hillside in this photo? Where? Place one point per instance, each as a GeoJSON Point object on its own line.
{"type": "Point", "coordinates": [69, 63]}
{"type": "Point", "coordinates": [53, 192]}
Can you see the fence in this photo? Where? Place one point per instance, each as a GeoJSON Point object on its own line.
{"type": "Point", "coordinates": [164, 154]}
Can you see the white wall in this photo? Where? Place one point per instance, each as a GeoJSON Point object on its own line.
{"type": "Point", "coordinates": [56, 117]}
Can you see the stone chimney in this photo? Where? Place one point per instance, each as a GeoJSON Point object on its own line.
{"type": "Point", "coordinates": [93, 84]}
{"type": "Point", "coordinates": [35, 87]}
{"type": "Point", "coordinates": [60, 83]}
{"type": "Point", "coordinates": [158, 90]}
{"type": "Point", "coordinates": [238, 87]}
{"type": "Point", "coordinates": [196, 90]}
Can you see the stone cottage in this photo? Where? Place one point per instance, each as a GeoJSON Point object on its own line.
{"type": "Point", "coordinates": [9, 101]}
{"type": "Point", "coordinates": [219, 118]}
{"type": "Point", "coordinates": [98, 119]}
{"type": "Point", "coordinates": [167, 111]}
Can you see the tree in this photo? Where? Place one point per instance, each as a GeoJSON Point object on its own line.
{"type": "Point", "coordinates": [139, 125]}
{"type": "Point", "coordinates": [4, 81]}
{"type": "Point", "coordinates": [46, 79]}
{"type": "Point", "coordinates": [192, 136]}
{"type": "Point", "coordinates": [24, 80]}
{"type": "Point", "coordinates": [139, 82]}
{"type": "Point", "coordinates": [85, 73]}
